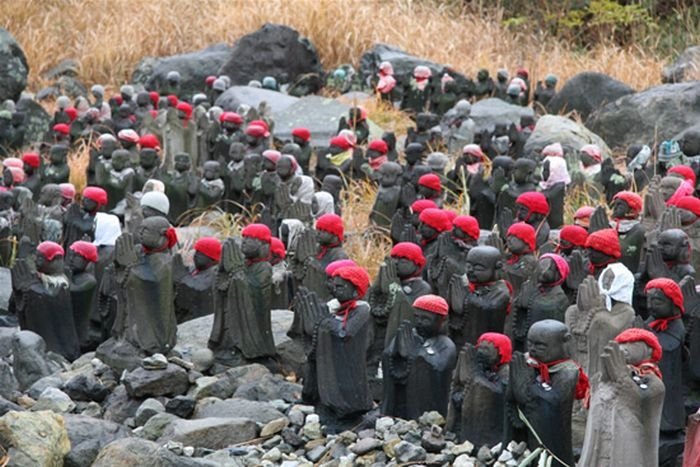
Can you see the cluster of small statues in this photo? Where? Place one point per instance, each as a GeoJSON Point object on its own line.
{"type": "Point", "coordinates": [581, 338]}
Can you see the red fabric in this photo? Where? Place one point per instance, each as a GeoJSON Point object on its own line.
{"type": "Point", "coordinates": [50, 250]}
{"type": "Point", "coordinates": [474, 150]}
{"type": "Point", "coordinates": [32, 159]}
{"type": "Point", "coordinates": [256, 131]}
{"type": "Point", "coordinates": [302, 133]}
{"type": "Point", "coordinates": [171, 236]}
{"type": "Point", "coordinates": [67, 190]}
{"type": "Point", "coordinates": [561, 264]}
{"type": "Point", "coordinates": [670, 288]}
{"type": "Point", "coordinates": [118, 99]}
{"type": "Point", "coordinates": [451, 215]}
{"type": "Point", "coordinates": [522, 72]}
{"type": "Point", "coordinates": [378, 145]}
{"type": "Point", "coordinates": [467, 224]}
{"type": "Point", "coordinates": [277, 248]}
{"type": "Point", "coordinates": [341, 143]}
{"type": "Point", "coordinates": [583, 386]}
{"type": "Point", "coordinates": [534, 201]}
{"type": "Point", "coordinates": [13, 162]}
{"type": "Point", "coordinates": [85, 249]}
{"type": "Point", "coordinates": [259, 231]}
{"type": "Point", "coordinates": [689, 203]}
{"type": "Point", "coordinates": [185, 108]}
{"type": "Point", "coordinates": [96, 194]}
{"type": "Point", "coordinates": [432, 303]}
{"type": "Point", "coordinates": [149, 141]}
{"type": "Point", "coordinates": [209, 247]}
{"type": "Point", "coordinates": [377, 162]}
{"type": "Point", "coordinates": [61, 128]}
{"type": "Point", "coordinates": [684, 171]}
{"type": "Point", "coordinates": [72, 113]}
{"type": "Point", "coordinates": [335, 265]}
{"type": "Point", "coordinates": [410, 251]}
{"type": "Point", "coordinates": [173, 100]}
{"type": "Point", "coordinates": [17, 175]}
{"type": "Point", "coordinates": [231, 117]}
{"type": "Point", "coordinates": [502, 344]}
{"type": "Point", "coordinates": [584, 212]}
{"type": "Point", "coordinates": [641, 335]}
{"type": "Point", "coordinates": [593, 151]}
{"type": "Point", "coordinates": [263, 124]}
{"type": "Point", "coordinates": [574, 234]}
{"type": "Point", "coordinates": [436, 219]}
{"type": "Point", "coordinates": [209, 80]}
{"type": "Point", "coordinates": [128, 135]}
{"type": "Point", "coordinates": [606, 241]}
{"type": "Point", "coordinates": [331, 223]}
{"type": "Point", "coordinates": [154, 98]}
{"type": "Point", "coordinates": [357, 276]}
{"type": "Point", "coordinates": [423, 204]}
{"type": "Point", "coordinates": [272, 155]}
{"type": "Point", "coordinates": [633, 200]}
{"type": "Point", "coordinates": [554, 150]}
{"type": "Point", "coordinates": [431, 181]}
{"type": "Point", "coordinates": [524, 232]}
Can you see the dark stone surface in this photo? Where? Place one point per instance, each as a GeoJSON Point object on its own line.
{"type": "Point", "coordinates": [171, 381]}
{"type": "Point", "coordinates": [13, 67]}
{"type": "Point", "coordinates": [36, 120]}
{"type": "Point", "coordinates": [402, 62]}
{"type": "Point", "coordinates": [684, 68]}
{"type": "Point", "coordinates": [273, 50]}
{"type": "Point", "coordinates": [586, 92]}
{"type": "Point", "coordinates": [488, 112]}
{"type": "Point", "coordinates": [261, 412]}
{"type": "Point", "coordinates": [237, 95]}
{"type": "Point", "coordinates": [182, 406]}
{"type": "Point", "coordinates": [85, 388]}
{"type": "Point", "coordinates": [88, 436]}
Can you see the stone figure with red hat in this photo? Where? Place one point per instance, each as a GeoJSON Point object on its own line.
{"type": "Point", "coordinates": [32, 171]}
{"type": "Point", "coordinates": [418, 362]}
{"type": "Point", "coordinates": [626, 211]}
{"type": "Point", "coordinates": [302, 137]}
{"type": "Point", "coordinates": [388, 199]}
{"type": "Point", "coordinates": [356, 121]}
{"type": "Point", "coordinates": [79, 219]}
{"type": "Point", "coordinates": [229, 131]}
{"type": "Point", "coordinates": [57, 170]}
{"type": "Point", "coordinates": [83, 287]}
{"type": "Point", "coordinates": [477, 395]}
{"type": "Point", "coordinates": [426, 132]}
{"type": "Point", "coordinates": [521, 181]}
{"type": "Point", "coordinates": [431, 223]}
{"type": "Point", "coordinates": [520, 246]}
{"type": "Point", "coordinates": [181, 186]}
{"type": "Point", "coordinates": [417, 91]}
{"type": "Point", "coordinates": [194, 288]}
{"type": "Point", "coordinates": [119, 180]}
{"type": "Point", "coordinates": [450, 258]}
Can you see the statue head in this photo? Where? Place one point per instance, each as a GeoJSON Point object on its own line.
{"type": "Point", "coordinates": [143, 99]}
{"type": "Point", "coordinates": [603, 247]}
{"type": "Point", "coordinates": [482, 75]}
{"type": "Point", "coordinates": [148, 158]}
{"type": "Point", "coordinates": [552, 269]}
{"type": "Point", "coordinates": [80, 255]}
{"type": "Point", "coordinates": [414, 153]}
{"type": "Point", "coordinates": [211, 170]}
{"type": "Point", "coordinates": [7, 199]}
{"type": "Point", "coordinates": [626, 205]}
{"type": "Point", "coordinates": [664, 298]}
{"type": "Point", "coordinates": [286, 167]}
{"type": "Point", "coordinates": [173, 79]}
{"type": "Point", "coordinates": [548, 341]}
{"type": "Point", "coordinates": [689, 207]}
{"type": "Point", "coordinates": [292, 149]}
{"type": "Point", "coordinates": [493, 350]}
{"type": "Point", "coordinates": [669, 185]}
{"type": "Point", "coordinates": [256, 241]}
{"type": "Point", "coordinates": [332, 184]}
{"type": "Point", "coordinates": [50, 195]}
{"type": "Point", "coordinates": [432, 222]}
{"type": "Point", "coordinates": [483, 264]}
{"type": "Point", "coordinates": [183, 162]}
{"type": "Point", "coordinates": [639, 346]}
{"type": "Point", "coordinates": [389, 173]}
{"type": "Point", "coordinates": [152, 233]}
{"type": "Point", "coordinates": [236, 152]}
{"type": "Point", "coordinates": [523, 169]}
{"type": "Point", "coordinates": [466, 229]}
{"type": "Point", "coordinates": [155, 204]}
{"type": "Point", "coordinates": [409, 260]}
{"type": "Point", "coordinates": [301, 136]}
{"type": "Point", "coordinates": [520, 238]}
{"type": "Point", "coordinates": [31, 162]}
{"type": "Point", "coordinates": [429, 312]}
{"type": "Point", "coordinates": [207, 253]}
{"type": "Point", "coordinates": [106, 144]}
{"type": "Point", "coordinates": [690, 143]}
{"type": "Point", "coordinates": [49, 258]}
{"type": "Point", "coordinates": [120, 159]}
{"type": "Point", "coordinates": [674, 245]}
{"type": "Point", "coordinates": [349, 283]}
{"type": "Point", "coordinates": [572, 236]}
{"type": "Point", "coordinates": [58, 154]}
{"type": "Point", "coordinates": [20, 193]}
{"type": "Point", "coordinates": [329, 230]}
{"type": "Point", "coordinates": [531, 207]}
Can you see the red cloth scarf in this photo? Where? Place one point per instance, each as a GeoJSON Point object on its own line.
{"type": "Point", "coordinates": [171, 237]}
{"type": "Point", "coordinates": [661, 324]}
{"type": "Point", "coordinates": [582, 391]}
{"type": "Point", "coordinates": [345, 309]}
{"type": "Point", "coordinates": [324, 249]}
{"type": "Point", "coordinates": [647, 368]}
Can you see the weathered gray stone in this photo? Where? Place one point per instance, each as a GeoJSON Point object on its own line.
{"type": "Point", "coordinates": [407, 452]}
{"type": "Point", "coordinates": [572, 136]}
{"type": "Point", "coordinates": [141, 383]}
{"type": "Point", "coordinates": [119, 406]}
{"type": "Point", "coordinates": [119, 355]}
{"type": "Point", "coordinates": [210, 433]}
{"type": "Point", "coordinates": [237, 95]}
{"type": "Point", "coordinates": [685, 68]}
{"type": "Point", "coordinates": [8, 382]}
{"type": "Point", "coordinates": [35, 438]}
{"type": "Point", "coordinates": [148, 409]}
{"type": "Point", "coordinates": [225, 384]}
{"type": "Point", "coordinates": [128, 452]}
{"type": "Point", "coordinates": [14, 68]}
{"type": "Point", "coordinates": [274, 426]}
{"type": "Point", "coordinates": [55, 400]}
{"type": "Point", "coordinates": [88, 436]}
{"type": "Point", "coordinates": [587, 92]}
{"type": "Point", "coordinates": [261, 412]}
{"type": "Point", "coordinates": [36, 124]}
{"type": "Point", "coordinates": [30, 360]}
{"type": "Point", "coordinates": [86, 388]}
{"type": "Point", "coordinates": [182, 406]}
{"type": "Point", "coordinates": [156, 426]}
{"type": "Point", "coordinates": [402, 62]}
{"type": "Point", "coordinates": [268, 388]}
{"type": "Point", "coordinates": [488, 112]}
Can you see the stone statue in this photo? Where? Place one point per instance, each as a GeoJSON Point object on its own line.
{"type": "Point", "coordinates": [418, 363]}
{"type": "Point", "coordinates": [32, 171]}
{"type": "Point", "coordinates": [302, 138]}
{"type": "Point", "coordinates": [417, 91]}
{"type": "Point", "coordinates": [626, 403]}
{"type": "Point", "coordinates": [83, 287]}
{"type": "Point", "coordinates": [522, 182]}
{"type": "Point", "coordinates": [148, 168]}
{"type": "Point", "coordinates": [430, 187]}
{"type": "Point", "coordinates": [450, 258]}
{"type": "Point", "coordinates": [543, 384]}
{"type": "Point", "coordinates": [388, 197]}
{"type": "Point", "coordinates": [194, 289]}
{"type": "Point", "coordinates": [57, 170]}
{"type": "Point", "coordinates": [356, 122]}
{"type": "Point", "coordinates": [181, 186]}
{"type": "Point", "coordinates": [79, 220]}
{"type": "Point", "coordinates": [626, 208]}
{"type": "Point", "coordinates": [532, 207]}
{"type": "Point", "coordinates": [555, 179]}
{"type": "Point", "coordinates": [603, 247]}
{"type": "Point", "coordinates": [42, 300]}
{"type": "Point", "coordinates": [211, 187]}
{"type": "Point", "coordinates": [119, 180]}
{"type": "Point", "coordinates": [483, 87]}
{"type": "Point", "coordinates": [460, 128]}
{"type": "Point", "coordinates": [477, 396]}
{"type": "Point", "coordinates": [544, 94]}
{"type": "Point", "coordinates": [432, 223]}
{"type": "Point", "coordinates": [521, 264]}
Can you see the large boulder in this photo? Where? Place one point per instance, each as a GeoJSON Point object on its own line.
{"type": "Point", "coordinates": [261, 412]}
{"type": "Point", "coordinates": [248, 95]}
{"type": "Point", "coordinates": [88, 436]}
{"type": "Point", "coordinates": [31, 361]}
{"type": "Point", "coordinates": [657, 114]}
{"type": "Point", "coordinates": [488, 112]}
{"type": "Point", "coordinates": [210, 433]}
{"type": "Point", "coordinates": [685, 68]}
{"type": "Point", "coordinates": [319, 115]}
{"type": "Point", "coordinates": [128, 452]}
{"type": "Point", "coordinates": [586, 92]}
{"type": "Point", "coordinates": [402, 62]}
{"type": "Point", "coordinates": [193, 67]}
{"type": "Point", "coordinates": [36, 125]}
{"type": "Point", "coordinates": [34, 439]}
{"type": "Point", "coordinates": [273, 50]}
{"type": "Point", "coordinates": [13, 67]}
{"type": "Point", "coordinates": [554, 129]}
{"type": "Point", "coordinates": [141, 383]}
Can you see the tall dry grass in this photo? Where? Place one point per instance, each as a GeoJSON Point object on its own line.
{"type": "Point", "coordinates": [109, 37]}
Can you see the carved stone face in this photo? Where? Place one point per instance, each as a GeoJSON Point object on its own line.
{"type": "Point", "coordinates": [548, 272]}
{"type": "Point", "coordinates": [405, 268]}
{"type": "Point", "coordinates": [426, 232]}
{"type": "Point", "coordinates": [52, 267]}
{"type": "Point", "coordinates": [76, 262]}
{"type": "Point", "coordinates": [89, 205]}
{"type": "Point", "coordinates": [325, 238]}
{"type": "Point", "coordinates": [6, 200]}
{"type": "Point", "coordinates": [413, 154]}
{"type": "Point", "coordinates": [148, 158]}
{"type": "Point", "coordinates": [211, 170]}
{"type": "Point", "coordinates": [516, 246]}
{"type": "Point", "coordinates": [673, 244]}
{"type": "Point", "coordinates": [522, 213]}
{"type": "Point", "coordinates": [387, 177]}
{"type": "Point", "coordinates": [58, 154]}
{"type": "Point", "coordinates": [487, 355]}
{"type": "Point", "coordinates": [183, 162]}
{"type": "Point", "coordinates": [120, 160]}
{"type": "Point", "coordinates": [547, 340]}
{"type": "Point", "coordinates": [108, 147]}
{"type": "Point", "coordinates": [687, 217]}
{"type": "Point", "coordinates": [668, 186]}
{"type": "Point", "coordinates": [427, 324]}
{"type": "Point", "coordinates": [236, 152]}
{"type": "Point", "coordinates": [151, 233]}
{"type": "Point", "coordinates": [285, 168]}
{"type": "Point", "coordinates": [620, 208]}
{"type": "Point", "coordinates": [659, 305]}
{"type": "Point", "coordinates": [608, 279]}
{"type": "Point", "coordinates": [343, 290]}
{"type": "Point", "coordinates": [49, 195]}
{"type": "Point", "coordinates": [635, 352]}
{"type": "Point", "coordinates": [251, 247]}
{"type": "Point", "coordinates": [482, 264]}
{"type": "Point", "coordinates": [598, 258]}
{"type": "Point", "coordinates": [202, 261]}
{"type": "Point", "coordinates": [522, 171]}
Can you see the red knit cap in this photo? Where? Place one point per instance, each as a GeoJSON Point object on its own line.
{"type": "Point", "coordinates": [96, 194]}
{"type": "Point", "coordinates": [684, 171]}
{"type": "Point", "coordinates": [128, 135]}
{"type": "Point", "coordinates": [272, 155]}
{"type": "Point", "coordinates": [149, 141]}
{"type": "Point", "coordinates": [154, 97]}
{"type": "Point", "coordinates": [259, 231]}
{"type": "Point", "coordinates": [256, 131]}
{"type": "Point", "coordinates": [32, 159]}
{"type": "Point", "coordinates": [502, 344]}
{"type": "Point", "coordinates": [379, 145]}
{"type": "Point", "coordinates": [72, 113]}
{"type": "Point", "coordinates": [524, 232]}
{"type": "Point", "coordinates": [606, 241]}
{"type": "Point", "coordinates": [431, 181]}
{"type": "Point", "coordinates": [467, 224]}
{"type": "Point", "coordinates": [17, 174]}
{"type": "Point", "coordinates": [410, 251]}
{"type": "Point", "coordinates": [67, 191]}
{"type": "Point", "coordinates": [357, 276]}
{"type": "Point", "coordinates": [50, 250]}
{"type": "Point", "coordinates": [185, 108]}
{"type": "Point", "coordinates": [61, 128]}
{"type": "Point", "coordinates": [209, 80]}
{"type": "Point", "coordinates": [231, 117]}
{"type": "Point", "coordinates": [172, 100]}
{"type": "Point", "coordinates": [209, 247]}
{"type": "Point", "coordinates": [451, 215]}
{"type": "Point", "coordinates": [474, 150]}
{"type": "Point", "coordinates": [534, 201]}
{"type": "Point", "coordinates": [423, 204]}
{"type": "Point", "coordinates": [642, 335]}
{"type": "Point", "coordinates": [561, 265]}
{"type": "Point", "coordinates": [436, 219]}
{"type": "Point", "coordinates": [669, 288]}
{"type": "Point", "coordinates": [689, 203]}
{"type": "Point", "coordinates": [584, 212]}
{"type": "Point", "coordinates": [335, 265]}
{"type": "Point", "coordinates": [574, 234]}
{"type": "Point", "coordinates": [633, 200]}
{"type": "Point", "coordinates": [302, 133]}
{"type": "Point", "coordinates": [277, 248]}
{"type": "Point", "coordinates": [341, 143]}
{"type": "Point", "coordinates": [331, 223]}
{"type": "Point", "coordinates": [432, 303]}
{"type": "Point", "coordinates": [263, 124]}
{"type": "Point", "coordinates": [85, 249]}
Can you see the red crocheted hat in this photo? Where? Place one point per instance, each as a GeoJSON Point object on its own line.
{"type": "Point", "coordinates": [209, 80]}
{"type": "Point", "coordinates": [149, 141]}
{"type": "Point", "coordinates": [302, 133]}
{"type": "Point", "coordinates": [689, 203]}
{"type": "Point", "coordinates": [96, 194]}
{"type": "Point", "coordinates": [209, 247]}
{"type": "Point", "coordinates": [331, 223]}
{"type": "Point", "coordinates": [436, 219]}
{"type": "Point", "coordinates": [684, 171]}
{"type": "Point", "coordinates": [534, 201]}
{"type": "Point", "coordinates": [524, 232]}
{"type": "Point", "coordinates": [72, 113]}
{"type": "Point", "coordinates": [85, 249]}
{"type": "Point", "coordinates": [642, 335]}
{"type": "Point", "coordinates": [467, 224]}
{"type": "Point", "coordinates": [606, 241]}
{"type": "Point", "coordinates": [172, 100]}
{"type": "Point", "coordinates": [431, 181]}
{"type": "Point", "coordinates": [335, 265]}
{"type": "Point", "coordinates": [67, 190]}
{"type": "Point", "coordinates": [423, 204]}
{"type": "Point", "coordinates": [502, 344]}
{"type": "Point", "coordinates": [432, 303]}
{"type": "Point", "coordinates": [231, 117]}
{"type": "Point", "coordinates": [633, 200]}
{"type": "Point", "coordinates": [410, 251]}
{"type": "Point", "coordinates": [277, 248]}
{"type": "Point", "coordinates": [50, 250]}
{"type": "Point", "coordinates": [584, 212]}
{"type": "Point", "coordinates": [357, 276]}
{"type": "Point", "coordinates": [259, 231]}
{"type": "Point", "coordinates": [560, 263]}
{"type": "Point", "coordinates": [256, 131]}
{"type": "Point", "coordinates": [340, 142]}
{"type": "Point", "coordinates": [61, 128]}
{"type": "Point", "coordinates": [574, 234]}
{"type": "Point", "coordinates": [185, 108]}
{"type": "Point", "coordinates": [669, 288]}
{"type": "Point", "coordinates": [379, 145]}
{"type": "Point", "coordinates": [32, 159]}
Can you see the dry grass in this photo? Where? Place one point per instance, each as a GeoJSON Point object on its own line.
{"type": "Point", "coordinates": [109, 37]}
